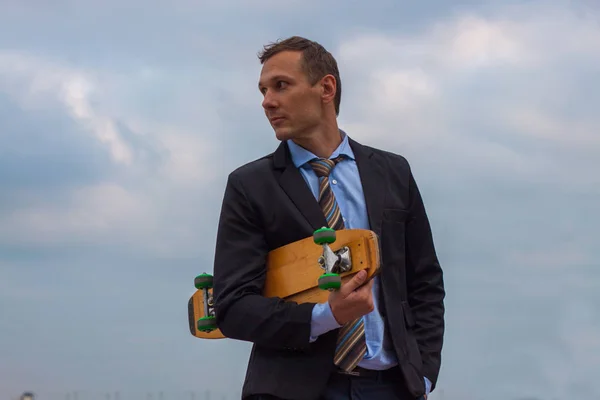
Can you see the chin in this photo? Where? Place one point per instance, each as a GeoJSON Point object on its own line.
{"type": "Point", "coordinates": [283, 134]}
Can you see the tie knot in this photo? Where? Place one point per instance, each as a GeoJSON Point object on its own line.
{"type": "Point", "coordinates": [323, 167]}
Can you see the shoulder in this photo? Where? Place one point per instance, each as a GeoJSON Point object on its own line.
{"type": "Point", "coordinates": [252, 169]}
{"type": "Point", "coordinates": [387, 158]}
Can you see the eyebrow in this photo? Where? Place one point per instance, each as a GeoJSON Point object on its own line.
{"type": "Point", "coordinates": [275, 78]}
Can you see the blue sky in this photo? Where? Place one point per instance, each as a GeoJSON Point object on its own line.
{"type": "Point", "coordinates": [119, 122]}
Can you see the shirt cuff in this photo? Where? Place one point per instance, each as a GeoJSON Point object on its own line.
{"type": "Point", "coordinates": [322, 321]}
{"type": "Point", "coordinates": [427, 385]}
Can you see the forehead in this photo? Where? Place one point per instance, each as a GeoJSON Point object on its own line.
{"type": "Point", "coordinates": [287, 64]}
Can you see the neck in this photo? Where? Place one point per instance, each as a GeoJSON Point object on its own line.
{"type": "Point", "coordinates": [323, 141]}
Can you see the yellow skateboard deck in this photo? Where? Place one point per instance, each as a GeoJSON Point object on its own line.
{"type": "Point", "coordinates": [303, 271]}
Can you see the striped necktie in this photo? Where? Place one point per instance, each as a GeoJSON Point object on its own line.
{"type": "Point", "coordinates": [351, 345]}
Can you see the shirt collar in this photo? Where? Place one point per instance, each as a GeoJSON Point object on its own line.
{"type": "Point", "coordinates": [301, 156]}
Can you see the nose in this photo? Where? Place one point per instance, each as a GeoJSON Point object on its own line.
{"type": "Point", "coordinates": [269, 101]}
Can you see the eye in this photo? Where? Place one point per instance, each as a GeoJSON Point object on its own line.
{"type": "Point", "coordinates": [281, 84]}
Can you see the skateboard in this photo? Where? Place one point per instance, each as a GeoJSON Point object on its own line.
{"type": "Point", "coordinates": [302, 271]}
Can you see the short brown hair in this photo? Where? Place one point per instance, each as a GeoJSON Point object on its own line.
{"type": "Point", "coordinates": [317, 62]}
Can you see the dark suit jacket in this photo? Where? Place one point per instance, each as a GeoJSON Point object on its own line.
{"type": "Point", "coordinates": [267, 204]}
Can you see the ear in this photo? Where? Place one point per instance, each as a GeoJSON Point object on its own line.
{"type": "Point", "coordinates": [329, 88]}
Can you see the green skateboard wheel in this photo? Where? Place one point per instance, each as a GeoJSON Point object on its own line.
{"type": "Point", "coordinates": [324, 235]}
{"type": "Point", "coordinates": [207, 324]}
{"type": "Point", "coordinates": [330, 281]}
{"type": "Point", "coordinates": [203, 281]}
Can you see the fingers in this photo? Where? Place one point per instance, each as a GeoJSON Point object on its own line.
{"type": "Point", "coordinates": [365, 294]}
{"type": "Point", "coordinates": [365, 287]}
{"type": "Point", "coordinates": [354, 283]}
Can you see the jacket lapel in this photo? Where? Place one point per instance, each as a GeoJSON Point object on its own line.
{"type": "Point", "coordinates": [373, 182]}
{"type": "Point", "coordinates": [292, 182]}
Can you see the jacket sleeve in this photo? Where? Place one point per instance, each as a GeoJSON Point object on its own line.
{"type": "Point", "coordinates": [242, 312]}
{"type": "Point", "coordinates": [425, 285]}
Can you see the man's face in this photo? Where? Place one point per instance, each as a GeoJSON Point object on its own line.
{"type": "Point", "coordinates": [292, 105]}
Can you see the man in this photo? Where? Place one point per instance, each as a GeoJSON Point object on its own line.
{"type": "Point", "coordinates": [319, 176]}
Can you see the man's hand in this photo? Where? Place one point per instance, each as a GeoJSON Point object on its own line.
{"type": "Point", "coordinates": [352, 300]}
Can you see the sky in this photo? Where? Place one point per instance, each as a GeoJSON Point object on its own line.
{"type": "Point", "coordinates": [120, 121]}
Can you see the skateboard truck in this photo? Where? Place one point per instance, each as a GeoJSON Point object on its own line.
{"type": "Point", "coordinates": [207, 323]}
{"type": "Point", "coordinates": [333, 262]}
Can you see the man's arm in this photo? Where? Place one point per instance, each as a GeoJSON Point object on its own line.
{"type": "Point", "coordinates": [322, 321]}
{"type": "Point", "coordinates": [241, 310]}
{"type": "Point", "coordinates": [425, 285]}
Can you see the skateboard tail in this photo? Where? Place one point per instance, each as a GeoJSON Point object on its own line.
{"type": "Point", "coordinates": [191, 318]}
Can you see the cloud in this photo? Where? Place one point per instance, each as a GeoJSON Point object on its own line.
{"type": "Point", "coordinates": [96, 212]}
{"type": "Point", "coordinates": [34, 82]}
{"type": "Point", "coordinates": [488, 91]}
{"type": "Point", "coordinates": [75, 96]}
{"type": "Point", "coordinates": [152, 161]}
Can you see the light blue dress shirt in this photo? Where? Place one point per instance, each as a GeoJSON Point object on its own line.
{"type": "Point", "coordinates": [347, 189]}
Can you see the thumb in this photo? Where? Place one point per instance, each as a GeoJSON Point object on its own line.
{"type": "Point", "coordinates": [354, 283]}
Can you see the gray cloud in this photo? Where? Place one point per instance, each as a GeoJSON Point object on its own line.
{"type": "Point", "coordinates": [45, 151]}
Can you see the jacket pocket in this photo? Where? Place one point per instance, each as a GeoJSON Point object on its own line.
{"type": "Point", "coordinates": [414, 353]}
{"type": "Point", "coordinates": [409, 318]}
{"type": "Point", "coordinates": [395, 214]}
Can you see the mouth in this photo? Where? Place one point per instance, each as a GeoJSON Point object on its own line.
{"type": "Point", "coordinates": [275, 119]}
